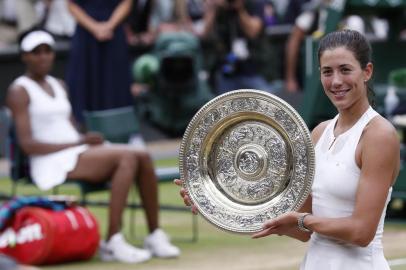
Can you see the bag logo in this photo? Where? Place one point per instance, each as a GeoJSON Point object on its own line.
{"type": "Point", "coordinates": [26, 234]}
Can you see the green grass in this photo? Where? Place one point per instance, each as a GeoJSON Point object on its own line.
{"type": "Point", "coordinates": [167, 162]}
{"type": "Point", "coordinates": [215, 249]}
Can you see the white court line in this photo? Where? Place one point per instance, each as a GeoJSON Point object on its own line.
{"type": "Point", "coordinates": [397, 262]}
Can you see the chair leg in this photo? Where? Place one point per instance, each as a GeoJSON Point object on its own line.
{"type": "Point", "coordinates": [14, 188]}
{"type": "Point", "coordinates": [195, 228]}
{"type": "Point", "coordinates": [132, 223]}
{"type": "Point", "coordinates": [83, 198]}
{"type": "Point", "coordinates": [133, 209]}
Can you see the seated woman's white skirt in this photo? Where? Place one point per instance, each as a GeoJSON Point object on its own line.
{"type": "Point", "coordinates": [51, 170]}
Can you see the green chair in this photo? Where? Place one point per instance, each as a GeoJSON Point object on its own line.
{"type": "Point", "coordinates": [397, 78]}
{"type": "Point", "coordinates": [117, 125]}
{"type": "Point", "coordinates": [19, 164]}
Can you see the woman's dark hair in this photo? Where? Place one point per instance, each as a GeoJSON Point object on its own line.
{"type": "Point", "coordinates": [352, 41]}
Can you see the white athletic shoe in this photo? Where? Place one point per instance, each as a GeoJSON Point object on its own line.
{"type": "Point", "coordinates": [117, 249]}
{"type": "Point", "coordinates": [159, 245]}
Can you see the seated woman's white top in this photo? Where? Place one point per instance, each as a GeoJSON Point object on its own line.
{"type": "Point", "coordinates": [50, 123]}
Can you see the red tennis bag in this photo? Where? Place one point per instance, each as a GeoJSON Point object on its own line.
{"type": "Point", "coordinates": [38, 235]}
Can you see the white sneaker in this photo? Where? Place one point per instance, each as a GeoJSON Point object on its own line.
{"type": "Point", "coordinates": [117, 249]}
{"type": "Point", "coordinates": [159, 245]}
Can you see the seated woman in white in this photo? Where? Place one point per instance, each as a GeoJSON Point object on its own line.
{"type": "Point", "coordinates": [42, 115]}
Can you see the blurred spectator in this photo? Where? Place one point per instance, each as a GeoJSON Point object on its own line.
{"type": "Point", "coordinates": [305, 23]}
{"type": "Point", "coordinates": [58, 152]}
{"type": "Point", "coordinates": [270, 17]}
{"type": "Point", "coordinates": [281, 7]}
{"type": "Point", "coordinates": [29, 13]}
{"type": "Point", "coordinates": [402, 34]}
{"type": "Point", "coordinates": [164, 16]}
{"type": "Point", "coordinates": [59, 21]}
{"type": "Point", "coordinates": [190, 15]}
{"type": "Point", "coordinates": [236, 28]}
{"type": "Point", "coordinates": [311, 20]}
{"type": "Point", "coordinates": [98, 73]}
{"type": "Point", "coordinates": [294, 9]}
{"type": "Point", "coordinates": [7, 11]}
{"type": "Point", "coordinates": [378, 26]}
{"type": "Point", "coordinates": [149, 18]}
{"type": "Point", "coordinates": [8, 31]}
{"type": "Point", "coordinates": [168, 16]}
{"type": "Point", "coordinates": [136, 26]}
{"type": "Point", "coordinates": [51, 15]}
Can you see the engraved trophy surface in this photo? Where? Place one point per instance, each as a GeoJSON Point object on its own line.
{"type": "Point", "coordinates": [246, 157]}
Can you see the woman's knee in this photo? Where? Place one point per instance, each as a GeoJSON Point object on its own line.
{"type": "Point", "coordinates": [128, 159]}
{"type": "Point", "coordinates": [143, 156]}
{"type": "Point", "coordinates": [145, 160]}
{"type": "Point", "coordinates": [135, 158]}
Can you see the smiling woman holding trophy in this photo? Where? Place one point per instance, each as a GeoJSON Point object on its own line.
{"type": "Point", "coordinates": [356, 164]}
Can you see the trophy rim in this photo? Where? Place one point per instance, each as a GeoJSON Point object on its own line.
{"type": "Point", "coordinates": [241, 93]}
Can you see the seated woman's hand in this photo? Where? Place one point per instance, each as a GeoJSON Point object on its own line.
{"type": "Point", "coordinates": [93, 138]}
{"type": "Point", "coordinates": [185, 197]}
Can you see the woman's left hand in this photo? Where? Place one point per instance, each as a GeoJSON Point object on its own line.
{"type": "Point", "coordinates": [103, 31]}
{"type": "Point", "coordinates": [285, 224]}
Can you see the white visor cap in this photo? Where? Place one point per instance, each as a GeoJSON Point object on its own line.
{"type": "Point", "coordinates": [36, 38]}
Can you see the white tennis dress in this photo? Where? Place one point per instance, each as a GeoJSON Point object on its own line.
{"type": "Point", "coordinates": [334, 190]}
{"type": "Point", "coordinates": [50, 123]}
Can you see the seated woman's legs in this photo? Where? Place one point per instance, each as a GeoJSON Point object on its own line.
{"type": "Point", "coordinates": [120, 165]}
{"type": "Point", "coordinates": [147, 184]}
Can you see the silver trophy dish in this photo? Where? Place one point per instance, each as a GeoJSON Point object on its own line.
{"type": "Point", "coordinates": [246, 157]}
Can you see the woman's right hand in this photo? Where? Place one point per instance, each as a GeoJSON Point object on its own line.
{"type": "Point", "coordinates": [92, 138]}
{"type": "Point", "coordinates": [285, 224]}
{"type": "Point", "coordinates": [185, 197]}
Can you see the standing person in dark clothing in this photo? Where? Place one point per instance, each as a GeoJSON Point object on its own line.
{"type": "Point", "coordinates": [293, 10]}
{"type": "Point", "coordinates": [237, 29]}
{"type": "Point", "coordinates": [137, 24]}
{"type": "Point", "coordinates": [98, 72]}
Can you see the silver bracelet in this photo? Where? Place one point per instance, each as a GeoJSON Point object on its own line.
{"type": "Point", "coordinates": [300, 223]}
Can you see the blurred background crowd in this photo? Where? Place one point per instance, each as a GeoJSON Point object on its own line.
{"type": "Point", "coordinates": [158, 55]}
